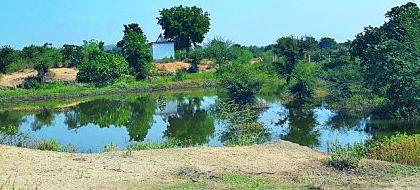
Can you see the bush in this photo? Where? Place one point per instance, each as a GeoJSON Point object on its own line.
{"type": "Point", "coordinates": [180, 75]}
{"type": "Point", "coordinates": [50, 145]}
{"type": "Point", "coordinates": [400, 148]}
{"type": "Point", "coordinates": [103, 69]}
{"type": "Point", "coordinates": [31, 83]}
{"type": "Point", "coordinates": [304, 79]}
{"type": "Point", "coordinates": [241, 81]}
{"type": "Point", "coordinates": [149, 146]}
{"type": "Point", "coordinates": [344, 158]}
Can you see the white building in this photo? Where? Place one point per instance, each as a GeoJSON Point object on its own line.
{"type": "Point", "coordinates": [163, 49]}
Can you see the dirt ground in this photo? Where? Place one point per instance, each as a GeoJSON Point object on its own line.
{"type": "Point", "coordinates": [173, 67]}
{"type": "Point", "coordinates": [154, 169]}
{"type": "Point", "coordinates": [13, 80]}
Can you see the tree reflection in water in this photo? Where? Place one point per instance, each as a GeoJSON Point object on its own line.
{"type": "Point", "coordinates": [192, 125]}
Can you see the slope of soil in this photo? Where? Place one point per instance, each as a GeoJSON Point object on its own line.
{"type": "Point", "coordinates": [156, 169]}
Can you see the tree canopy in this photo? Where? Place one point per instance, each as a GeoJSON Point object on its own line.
{"type": "Point", "coordinates": [184, 25]}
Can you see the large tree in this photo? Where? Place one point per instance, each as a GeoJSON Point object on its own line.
{"type": "Point", "coordinates": [184, 25]}
{"type": "Point", "coordinates": [136, 50]}
{"type": "Point", "coordinates": [391, 58]}
{"type": "Point", "coordinates": [288, 48]}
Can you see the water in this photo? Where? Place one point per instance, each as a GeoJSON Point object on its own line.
{"type": "Point", "coordinates": [188, 117]}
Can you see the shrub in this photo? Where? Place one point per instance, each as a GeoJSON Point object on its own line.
{"type": "Point", "coordinates": [304, 81]}
{"type": "Point", "coordinates": [31, 83]}
{"type": "Point", "coordinates": [241, 81]}
{"type": "Point", "coordinates": [149, 146]}
{"type": "Point", "coordinates": [50, 145]}
{"type": "Point", "coordinates": [103, 69]}
{"type": "Point", "coordinates": [348, 157]}
{"type": "Point", "coordinates": [400, 148]}
{"type": "Point", "coordinates": [180, 75]}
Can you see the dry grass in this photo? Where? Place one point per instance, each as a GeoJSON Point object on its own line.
{"type": "Point", "coordinates": [280, 162]}
{"type": "Point", "coordinates": [12, 80]}
{"type": "Point", "coordinates": [172, 67]}
{"type": "Point", "coordinates": [63, 74]}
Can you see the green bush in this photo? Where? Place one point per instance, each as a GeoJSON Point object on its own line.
{"type": "Point", "coordinates": [180, 75]}
{"type": "Point", "coordinates": [103, 69]}
{"type": "Point", "coordinates": [31, 83]}
{"type": "Point", "coordinates": [110, 148]}
{"type": "Point", "coordinates": [50, 145]}
{"type": "Point", "coordinates": [149, 146]}
{"type": "Point", "coordinates": [403, 149]}
{"type": "Point", "coordinates": [348, 157]}
{"type": "Point", "coordinates": [304, 79]}
{"type": "Point", "coordinates": [241, 81]}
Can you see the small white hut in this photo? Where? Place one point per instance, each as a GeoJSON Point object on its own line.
{"type": "Point", "coordinates": [163, 49]}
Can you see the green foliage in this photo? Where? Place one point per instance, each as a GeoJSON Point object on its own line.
{"type": "Point", "coordinates": [49, 145]}
{"type": "Point", "coordinates": [150, 146]}
{"type": "Point", "coordinates": [327, 43]}
{"type": "Point", "coordinates": [180, 75]}
{"type": "Point", "coordinates": [91, 49]}
{"type": "Point", "coordinates": [390, 57]}
{"type": "Point", "coordinates": [243, 128]}
{"type": "Point", "coordinates": [136, 50]}
{"type": "Point", "coordinates": [103, 69]}
{"type": "Point", "coordinates": [72, 55]}
{"type": "Point", "coordinates": [241, 81]}
{"type": "Point", "coordinates": [43, 57]}
{"type": "Point", "coordinates": [287, 47]}
{"type": "Point", "coordinates": [348, 157]}
{"type": "Point", "coordinates": [184, 25]}
{"type": "Point", "coordinates": [31, 83]}
{"type": "Point", "coordinates": [400, 148]}
{"type": "Point", "coordinates": [304, 81]}
{"type": "Point", "coordinates": [345, 78]}
{"type": "Point", "coordinates": [223, 52]}
{"type": "Point", "coordinates": [7, 56]}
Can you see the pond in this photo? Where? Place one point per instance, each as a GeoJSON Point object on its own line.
{"type": "Point", "coordinates": [188, 117]}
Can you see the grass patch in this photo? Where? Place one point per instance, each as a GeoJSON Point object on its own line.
{"type": "Point", "coordinates": [400, 148]}
{"type": "Point", "coordinates": [347, 157]}
{"type": "Point", "coordinates": [151, 146]}
{"type": "Point", "coordinates": [60, 91]}
{"type": "Point", "coordinates": [237, 181]}
{"type": "Point", "coordinates": [49, 145]}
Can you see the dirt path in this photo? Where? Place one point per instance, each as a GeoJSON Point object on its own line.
{"type": "Point", "coordinates": [23, 168]}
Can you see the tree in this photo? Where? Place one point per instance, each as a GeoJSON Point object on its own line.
{"type": "Point", "coordinates": [72, 55]}
{"type": "Point", "coordinates": [184, 25]}
{"type": "Point", "coordinates": [304, 81]}
{"type": "Point", "coordinates": [288, 48]}
{"type": "Point", "coordinates": [43, 57]}
{"type": "Point", "coordinates": [241, 80]}
{"type": "Point", "coordinates": [390, 56]}
{"type": "Point", "coordinates": [7, 56]}
{"type": "Point", "coordinates": [308, 46]}
{"type": "Point", "coordinates": [136, 50]}
{"type": "Point", "coordinates": [327, 43]}
{"type": "Point", "coordinates": [104, 68]}
{"type": "Point", "coordinates": [223, 51]}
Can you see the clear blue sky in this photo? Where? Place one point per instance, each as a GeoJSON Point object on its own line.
{"type": "Point", "coordinates": [248, 22]}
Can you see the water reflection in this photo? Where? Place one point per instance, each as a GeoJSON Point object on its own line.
{"type": "Point", "coordinates": [190, 119]}
{"type": "Point", "coordinates": [192, 124]}
{"type": "Point", "coordinates": [301, 123]}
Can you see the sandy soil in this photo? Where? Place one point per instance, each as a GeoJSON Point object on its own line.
{"type": "Point", "coordinates": [24, 168]}
{"type": "Point", "coordinates": [173, 67]}
{"type": "Point", "coordinates": [12, 80]}
{"type": "Point", "coordinates": [63, 74]}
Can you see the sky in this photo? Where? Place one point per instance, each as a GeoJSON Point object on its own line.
{"type": "Point", "coordinates": [247, 22]}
